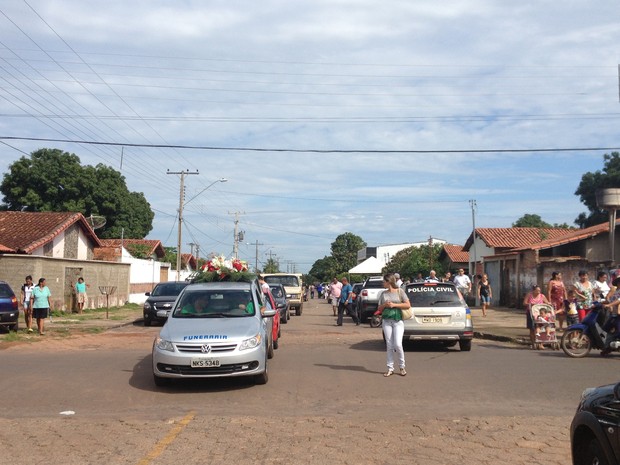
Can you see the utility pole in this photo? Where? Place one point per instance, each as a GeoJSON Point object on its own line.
{"type": "Point", "coordinates": [256, 256]}
{"type": "Point", "coordinates": [430, 252]}
{"type": "Point", "coordinates": [472, 204]}
{"type": "Point", "coordinates": [180, 231]}
{"type": "Point", "coordinates": [238, 235]}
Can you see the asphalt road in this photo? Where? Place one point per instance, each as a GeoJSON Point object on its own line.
{"type": "Point", "coordinates": [326, 402]}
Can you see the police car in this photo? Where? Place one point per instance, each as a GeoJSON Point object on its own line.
{"type": "Point", "coordinates": [439, 314]}
{"type": "Point", "coordinates": [216, 329]}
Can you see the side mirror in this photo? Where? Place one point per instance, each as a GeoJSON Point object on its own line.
{"type": "Point", "coordinates": [617, 391]}
{"type": "Point", "coordinates": [147, 294]}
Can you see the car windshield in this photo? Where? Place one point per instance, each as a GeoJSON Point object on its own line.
{"type": "Point", "coordinates": [433, 295]}
{"type": "Point", "coordinates": [290, 281]}
{"type": "Point", "coordinates": [166, 289]}
{"type": "Point", "coordinates": [215, 304]}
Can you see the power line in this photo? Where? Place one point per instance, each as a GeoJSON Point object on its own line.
{"type": "Point", "coordinates": [289, 150]}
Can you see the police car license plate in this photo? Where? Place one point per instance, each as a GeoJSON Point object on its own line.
{"type": "Point", "coordinates": [432, 319]}
{"type": "Point", "coordinates": [204, 362]}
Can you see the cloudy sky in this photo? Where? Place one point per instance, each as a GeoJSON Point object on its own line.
{"type": "Point", "coordinates": [383, 119]}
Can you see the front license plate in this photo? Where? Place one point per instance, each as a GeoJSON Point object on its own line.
{"type": "Point", "coordinates": [432, 319]}
{"type": "Point", "coordinates": [204, 362]}
{"type": "Point", "coordinates": [163, 313]}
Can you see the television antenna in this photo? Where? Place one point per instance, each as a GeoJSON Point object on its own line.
{"type": "Point", "coordinates": [96, 221]}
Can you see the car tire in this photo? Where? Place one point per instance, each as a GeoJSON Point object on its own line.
{"type": "Point", "coordinates": [593, 454]}
{"type": "Point", "coordinates": [147, 322]}
{"type": "Point", "coordinates": [465, 345]}
{"type": "Point", "coordinates": [263, 377]}
{"type": "Point", "coordinates": [298, 310]}
{"type": "Point", "coordinates": [161, 382]}
{"type": "Point", "coordinates": [284, 319]}
{"type": "Point", "coordinates": [276, 343]}
{"type": "Point", "coordinates": [14, 327]}
{"type": "Point", "coordinates": [270, 352]}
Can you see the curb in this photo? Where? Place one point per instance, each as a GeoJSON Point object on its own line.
{"type": "Point", "coordinates": [495, 337]}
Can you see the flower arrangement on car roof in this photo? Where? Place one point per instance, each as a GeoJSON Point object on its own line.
{"type": "Point", "coordinates": [220, 268]}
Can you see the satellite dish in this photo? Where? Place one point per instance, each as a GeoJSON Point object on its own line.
{"type": "Point", "coordinates": [96, 221]}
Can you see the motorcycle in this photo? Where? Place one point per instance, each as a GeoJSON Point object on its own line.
{"type": "Point", "coordinates": [594, 331]}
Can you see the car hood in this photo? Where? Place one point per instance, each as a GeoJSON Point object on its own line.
{"type": "Point", "coordinates": [162, 298]}
{"type": "Point", "coordinates": [210, 329]}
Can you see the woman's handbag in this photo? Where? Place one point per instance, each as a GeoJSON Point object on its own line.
{"type": "Point", "coordinates": [406, 313]}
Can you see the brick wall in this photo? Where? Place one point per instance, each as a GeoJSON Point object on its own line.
{"type": "Point", "coordinates": [58, 273]}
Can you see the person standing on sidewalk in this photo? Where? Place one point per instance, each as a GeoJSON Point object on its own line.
{"type": "Point", "coordinates": [463, 283]}
{"type": "Point", "coordinates": [533, 298]}
{"type": "Point", "coordinates": [40, 302]}
{"type": "Point", "coordinates": [80, 291]}
{"type": "Point", "coordinates": [334, 294]}
{"type": "Point", "coordinates": [344, 303]}
{"type": "Point", "coordinates": [485, 293]}
{"type": "Point", "coordinates": [391, 302]}
{"type": "Point", "coordinates": [556, 294]}
{"type": "Point", "coordinates": [26, 292]}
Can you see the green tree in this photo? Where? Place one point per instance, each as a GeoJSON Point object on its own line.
{"type": "Point", "coordinates": [413, 260]}
{"type": "Point", "coordinates": [344, 251]}
{"type": "Point", "coordinates": [272, 266]}
{"type": "Point", "coordinates": [53, 180]}
{"type": "Point", "coordinates": [324, 269]}
{"type": "Point", "coordinates": [590, 183]}
{"type": "Point", "coordinates": [530, 221]}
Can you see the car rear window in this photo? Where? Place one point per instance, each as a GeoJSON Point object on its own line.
{"type": "Point", "coordinates": [290, 281]}
{"type": "Point", "coordinates": [433, 295]}
{"type": "Point", "coordinates": [375, 283]}
{"type": "Point", "coordinates": [168, 289]}
{"type": "Point", "coordinates": [5, 291]}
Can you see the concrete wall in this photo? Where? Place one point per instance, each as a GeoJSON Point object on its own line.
{"type": "Point", "coordinates": [61, 275]}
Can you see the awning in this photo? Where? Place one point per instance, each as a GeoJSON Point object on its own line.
{"type": "Point", "coordinates": [370, 265]}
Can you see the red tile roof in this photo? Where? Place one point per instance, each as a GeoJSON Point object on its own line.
{"type": "Point", "coordinates": [514, 238]}
{"type": "Point", "coordinates": [23, 232]}
{"type": "Point", "coordinates": [456, 253]}
{"type": "Point", "coordinates": [189, 258]}
{"type": "Point", "coordinates": [571, 235]}
{"type": "Point", "coordinates": [153, 246]}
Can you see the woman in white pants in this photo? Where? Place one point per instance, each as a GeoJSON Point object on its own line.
{"type": "Point", "coordinates": [391, 301]}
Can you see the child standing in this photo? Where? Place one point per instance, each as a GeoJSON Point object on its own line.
{"type": "Point", "coordinates": [570, 305]}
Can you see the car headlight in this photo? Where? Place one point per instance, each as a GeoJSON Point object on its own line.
{"type": "Point", "coordinates": [163, 344]}
{"type": "Point", "coordinates": [147, 306]}
{"type": "Point", "coordinates": [250, 343]}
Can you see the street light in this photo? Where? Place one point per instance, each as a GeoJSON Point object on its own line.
{"type": "Point", "coordinates": [181, 205]}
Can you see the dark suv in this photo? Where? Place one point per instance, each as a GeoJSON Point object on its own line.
{"type": "Point", "coordinates": [595, 427]}
{"type": "Point", "coordinates": [9, 313]}
{"type": "Point", "coordinates": [160, 301]}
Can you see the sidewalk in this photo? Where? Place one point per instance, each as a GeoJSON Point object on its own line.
{"type": "Point", "coordinates": [501, 324]}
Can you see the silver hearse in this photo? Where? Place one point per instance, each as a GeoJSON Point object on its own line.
{"type": "Point", "coordinates": [216, 329]}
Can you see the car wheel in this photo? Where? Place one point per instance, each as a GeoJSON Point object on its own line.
{"type": "Point", "coordinates": [14, 327]}
{"type": "Point", "coordinates": [299, 310]}
{"type": "Point", "coordinates": [593, 454]}
{"type": "Point", "coordinates": [575, 343]}
{"type": "Point", "coordinates": [276, 343]}
{"type": "Point", "coordinates": [288, 315]}
{"type": "Point", "coordinates": [284, 319]}
{"type": "Point", "coordinates": [161, 382]}
{"type": "Point", "coordinates": [147, 322]}
{"type": "Point", "coordinates": [263, 377]}
{"type": "Point", "coordinates": [270, 352]}
{"type": "Point", "coordinates": [465, 345]}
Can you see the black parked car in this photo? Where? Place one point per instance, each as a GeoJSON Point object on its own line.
{"type": "Point", "coordinates": [279, 294]}
{"type": "Point", "coordinates": [9, 312]}
{"type": "Point", "coordinates": [594, 432]}
{"type": "Point", "coordinates": [159, 303]}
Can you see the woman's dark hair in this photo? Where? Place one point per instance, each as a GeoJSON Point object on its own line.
{"type": "Point", "coordinates": [41, 280]}
{"type": "Point", "coordinates": [600, 274]}
{"type": "Point", "coordinates": [616, 282]}
{"type": "Point", "coordinates": [582, 273]}
{"type": "Point", "coordinates": [555, 274]}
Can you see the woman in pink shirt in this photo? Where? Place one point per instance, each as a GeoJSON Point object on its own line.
{"type": "Point", "coordinates": [533, 298]}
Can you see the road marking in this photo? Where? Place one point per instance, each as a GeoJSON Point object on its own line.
{"type": "Point", "coordinates": [161, 446]}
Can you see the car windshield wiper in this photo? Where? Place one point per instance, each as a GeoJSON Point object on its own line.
{"type": "Point", "coordinates": [440, 302]}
